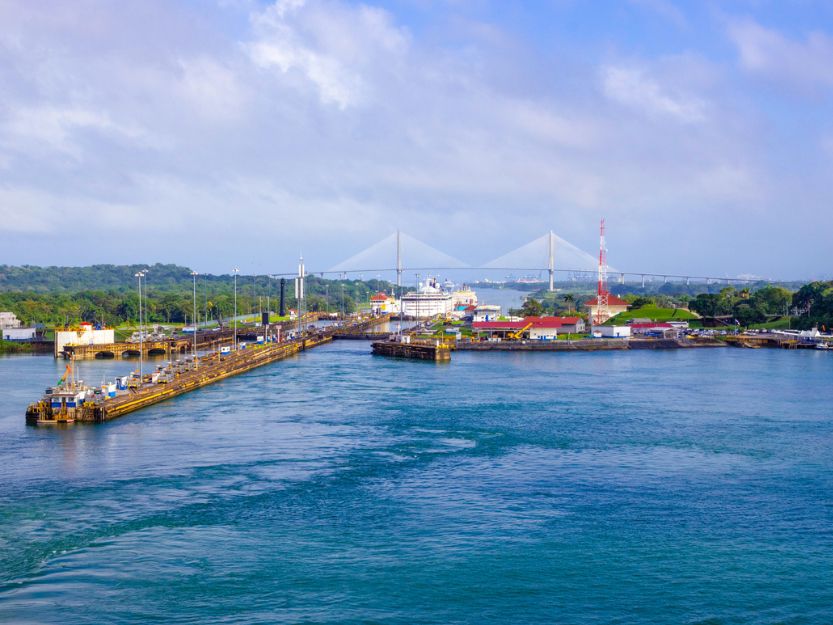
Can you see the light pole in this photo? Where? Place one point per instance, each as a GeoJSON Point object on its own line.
{"type": "Point", "coordinates": [205, 299]}
{"type": "Point", "coordinates": [299, 295]}
{"type": "Point", "coordinates": [194, 275]}
{"type": "Point", "coordinates": [235, 271]}
{"type": "Point", "coordinates": [139, 276]}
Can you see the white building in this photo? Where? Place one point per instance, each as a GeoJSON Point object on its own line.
{"type": "Point", "coordinates": [383, 304]}
{"type": "Point", "coordinates": [463, 297]}
{"type": "Point", "coordinates": [611, 332]}
{"type": "Point", "coordinates": [428, 301]}
{"type": "Point", "coordinates": [486, 312]}
{"type": "Point", "coordinates": [615, 305]}
{"type": "Point", "coordinates": [9, 320]}
{"type": "Point", "coordinates": [85, 335]}
{"type": "Point", "coordinates": [17, 334]}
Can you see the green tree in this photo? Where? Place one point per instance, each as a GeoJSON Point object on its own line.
{"type": "Point", "coordinates": [532, 308]}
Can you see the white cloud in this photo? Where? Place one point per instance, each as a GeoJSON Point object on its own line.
{"type": "Point", "coordinates": [212, 90]}
{"type": "Point", "coordinates": [325, 123]}
{"type": "Point", "coordinates": [635, 88]}
{"type": "Point", "coordinates": [54, 128]}
{"type": "Point", "coordinates": [33, 211]}
{"type": "Point", "coordinates": [333, 49]}
{"type": "Point", "coordinates": [806, 63]}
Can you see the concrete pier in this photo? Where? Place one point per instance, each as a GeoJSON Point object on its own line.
{"type": "Point", "coordinates": [422, 350]}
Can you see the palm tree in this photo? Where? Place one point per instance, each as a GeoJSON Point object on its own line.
{"type": "Point", "coordinates": [570, 300]}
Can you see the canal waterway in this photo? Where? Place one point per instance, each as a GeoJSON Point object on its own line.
{"type": "Point", "coordinates": [687, 486]}
{"type": "Point", "coordinates": [507, 299]}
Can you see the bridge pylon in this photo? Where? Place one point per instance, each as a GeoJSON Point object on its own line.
{"type": "Point", "coordinates": [551, 264]}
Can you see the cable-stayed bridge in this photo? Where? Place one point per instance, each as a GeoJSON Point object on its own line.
{"type": "Point", "coordinates": [548, 254]}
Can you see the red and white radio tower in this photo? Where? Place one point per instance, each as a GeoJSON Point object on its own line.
{"type": "Point", "coordinates": [602, 301]}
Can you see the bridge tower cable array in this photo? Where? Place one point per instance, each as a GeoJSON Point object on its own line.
{"type": "Point", "coordinates": [551, 263]}
{"type": "Point", "coordinates": [398, 260]}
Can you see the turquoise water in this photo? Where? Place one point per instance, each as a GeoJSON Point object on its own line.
{"type": "Point", "coordinates": [645, 487]}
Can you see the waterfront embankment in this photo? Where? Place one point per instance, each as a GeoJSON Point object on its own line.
{"type": "Point", "coordinates": [583, 345]}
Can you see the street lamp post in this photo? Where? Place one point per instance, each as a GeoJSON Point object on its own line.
{"type": "Point", "coordinates": [235, 271]}
{"type": "Point", "coordinates": [194, 275]}
{"type": "Point", "coordinates": [299, 295]}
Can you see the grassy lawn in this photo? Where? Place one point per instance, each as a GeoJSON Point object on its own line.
{"type": "Point", "coordinates": [654, 313]}
{"type": "Point", "coordinates": [571, 337]}
{"type": "Point", "coordinates": [782, 323]}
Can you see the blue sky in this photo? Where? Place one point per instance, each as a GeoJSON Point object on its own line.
{"type": "Point", "coordinates": [237, 132]}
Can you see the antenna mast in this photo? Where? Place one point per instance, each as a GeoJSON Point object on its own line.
{"type": "Point", "coordinates": [602, 295]}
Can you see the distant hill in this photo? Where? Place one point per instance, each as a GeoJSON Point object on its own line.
{"type": "Point", "coordinates": [30, 278]}
{"type": "Point", "coordinates": [109, 293]}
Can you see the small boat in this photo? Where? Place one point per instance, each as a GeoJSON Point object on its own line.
{"type": "Point", "coordinates": [60, 405]}
{"type": "Point", "coordinates": [823, 346]}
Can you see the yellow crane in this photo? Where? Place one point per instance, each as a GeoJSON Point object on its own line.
{"type": "Point", "coordinates": [517, 335]}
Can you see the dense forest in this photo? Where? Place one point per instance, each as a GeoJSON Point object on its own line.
{"type": "Point", "coordinates": [109, 294]}
{"type": "Point", "coordinates": [810, 305]}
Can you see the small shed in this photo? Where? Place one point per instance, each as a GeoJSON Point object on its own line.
{"type": "Point", "coordinates": [612, 332]}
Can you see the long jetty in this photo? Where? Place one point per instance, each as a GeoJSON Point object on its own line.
{"type": "Point", "coordinates": [207, 371]}
{"type": "Point", "coordinates": [203, 371]}
{"type": "Point", "coordinates": [584, 345]}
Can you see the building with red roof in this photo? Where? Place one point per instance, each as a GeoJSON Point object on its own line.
{"type": "Point", "coordinates": [532, 327]}
{"type": "Point", "coordinates": [382, 303]}
{"type": "Point", "coordinates": [615, 305]}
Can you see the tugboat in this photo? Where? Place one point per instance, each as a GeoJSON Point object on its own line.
{"type": "Point", "coordinates": [61, 404]}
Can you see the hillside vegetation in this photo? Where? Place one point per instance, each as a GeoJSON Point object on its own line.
{"type": "Point", "coordinates": [654, 313]}
{"type": "Point", "coordinates": [109, 294]}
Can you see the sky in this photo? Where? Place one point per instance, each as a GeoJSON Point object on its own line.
{"type": "Point", "coordinates": [242, 133]}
